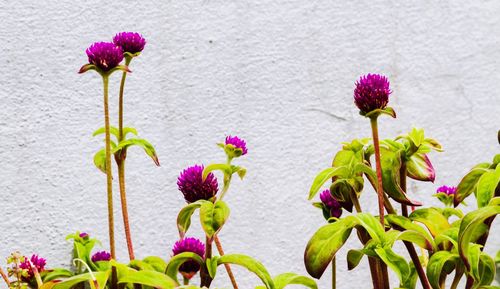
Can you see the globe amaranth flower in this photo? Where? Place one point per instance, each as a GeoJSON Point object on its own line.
{"type": "Point", "coordinates": [189, 268]}
{"type": "Point", "coordinates": [104, 55]}
{"type": "Point", "coordinates": [84, 235]}
{"type": "Point", "coordinates": [331, 204]}
{"type": "Point", "coordinates": [131, 42]}
{"type": "Point", "coordinates": [446, 195]}
{"type": "Point", "coordinates": [450, 191]}
{"type": "Point", "coordinates": [35, 261]}
{"type": "Point", "coordinates": [371, 92]}
{"type": "Point", "coordinates": [192, 186]}
{"type": "Point", "coordinates": [238, 143]}
{"type": "Point", "coordinates": [101, 256]}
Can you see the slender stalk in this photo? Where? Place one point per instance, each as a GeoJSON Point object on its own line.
{"type": "Point", "coordinates": [109, 177]}
{"type": "Point", "coordinates": [123, 199]}
{"type": "Point", "coordinates": [186, 281]}
{"type": "Point", "coordinates": [409, 246]}
{"type": "Point", "coordinates": [120, 161]}
{"type": "Point", "coordinates": [227, 266]}
{"type": "Point", "coordinates": [380, 190]}
{"type": "Point", "coordinates": [4, 277]}
{"type": "Point", "coordinates": [334, 273]}
{"type": "Point", "coordinates": [206, 280]}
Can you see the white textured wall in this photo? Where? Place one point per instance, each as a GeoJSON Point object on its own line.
{"type": "Point", "coordinates": [278, 73]}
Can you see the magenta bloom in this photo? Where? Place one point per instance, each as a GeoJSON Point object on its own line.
{"type": "Point", "coordinates": [131, 42]}
{"type": "Point", "coordinates": [193, 245]}
{"type": "Point", "coordinates": [449, 191]}
{"type": "Point", "coordinates": [237, 143]}
{"type": "Point", "coordinates": [101, 256]}
{"type": "Point", "coordinates": [371, 92]}
{"type": "Point", "coordinates": [84, 235]}
{"type": "Point", "coordinates": [105, 55]}
{"type": "Point", "coordinates": [37, 262]}
{"type": "Point", "coordinates": [331, 204]}
{"type": "Point", "coordinates": [192, 186]}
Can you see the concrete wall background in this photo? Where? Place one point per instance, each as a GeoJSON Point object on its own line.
{"type": "Point", "coordinates": [278, 73]}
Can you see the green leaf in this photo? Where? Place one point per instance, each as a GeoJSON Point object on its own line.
{"type": "Point", "coordinates": [486, 186]}
{"type": "Point", "coordinates": [353, 258]}
{"type": "Point", "coordinates": [148, 147]}
{"type": "Point", "coordinates": [419, 167]}
{"type": "Point", "coordinates": [157, 263]}
{"type": "Point", "coordinates": [468, 184]}
{"type": "Point", "coordinates": [282, 280]}
{"type": "Point", "coordinates": [224, 168]}
{"type": "Point", "coordinates": [184, 216]}
{"type": "Point", "coordinates": [325, 243]}
{"type": "Point", "coordinates": [213, 217]}
{"type": "Point", "coordinates": [391, 165]}
{"type": "Point", "coordinates": [436, 265]}
{"type": "Point", "coordinates": [211, 264]}
{"type": "Point", "coordinates": [101, 277]}
{"type": "Point", "coordinates": [366, 169]}
{"type": "Point", "coordinates": [486, 269]}
{"type": "Point", "coordinates": [432, 219]}
{"type": "Point", "coordinates": [100, 160]}
{"type": "Point", "coordinates": [53, 274]}
{"type": "Point", "coordinates": [470, 223]}
{"type": "Point", "coordinates": [177, 260]}
{"type": "Point", "coordinates": [112, 130]}
{"type": "Point", "coordinates": [402, 223]}
{"type": "Point", "coordinates": [395, 262]}
{"type": "Point", "coordinates": [147, 278]}
{"type": "Point", "coordinates": [323, 177]}
{"type": "Point", "coordinates": [251, 264]}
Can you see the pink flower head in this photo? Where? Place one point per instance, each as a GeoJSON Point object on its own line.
{"type": "Point", "coordinates": [193, 245]}
{"type": "Point", "coordinates": [449, 191]}
{"type": "Point", "coordinates": [371, 92]}
{"type": "Point", "coordinates": [331, 204]}
{"type": "Point", "coordinates": [101, 256]}
{"type": "Point", "coordinates": [237, 143]}
{"type": "Point", "coordinates": [38, 262]}
{"type": "Point", "coordinates": [105, 55]}
{"type": "Point", "coordinates": [192, 186]}
{"type": "Point", "coordinates": [131, 42]}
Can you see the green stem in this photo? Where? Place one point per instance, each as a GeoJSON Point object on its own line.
{"type": "Point", "coordinates": [456, 280]}
{"type": "Point", "coordinates": [380, 190]}
{"type": "Point", "coordinates": [334, 273]}
{"type": "Point", "coordinates": [109, 177]}
{"type": "Point", "coordinates": [186, 281]}
{"type": "Point", "coordinates": [120, 161]}
{"type": "Point", "coordinates": [227, 180]}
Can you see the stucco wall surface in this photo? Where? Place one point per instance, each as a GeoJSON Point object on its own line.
{"type": "Point", "coordinates": [278, 73]}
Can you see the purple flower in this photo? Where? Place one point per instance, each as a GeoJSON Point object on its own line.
{"type": "Point", "coordinates": [449, 191]}
{"type": "Point", "coordinates": [371, 92]}
{"type": "Point", "coordinates": [131, 42]}
{"type": "Point", "coordinates": [193, 245]}
{"type": "Point", "coordinates": [84, 235]}
{"type": "Point", "coordinates": [101, 256]}
{"type": "Point", "coordinates": [104, 55]}
{"type": "Point", "coordinates": [37, 262]}
{"type": "Point", "coordinates": [331, 204]}
{"type": "Point", "coordinates": [237, 143]}
{"type": "Point", "coordinates": [193, 187]}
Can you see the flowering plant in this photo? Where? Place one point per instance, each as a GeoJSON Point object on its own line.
{"type": "Point", "coordinates": [449, 240]}
{"type": "Point", "coordinates": [198, 184]}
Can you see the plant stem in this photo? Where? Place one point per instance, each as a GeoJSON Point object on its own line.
{"type": "Point", "coordinates": [380, 190]}
{"type": "Point", "coordinates": [409, 246]}
{"type": "Point", "coordinates": [456, 280]}
{"type": "Point", "coordinates": [4, 277]}
{"type": "Point", "coordinates": [334, 273]}
{"type": "Point", "coordinates": [227, 266]}
{"type": "Point", "coordinates": [186, 281]}
{"type": "Point", "coordinates": [120, 161]}
{"type": "Point", "coordinates": [109, 177]}
{"type": "Point", "coordinates": [206, 280]}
